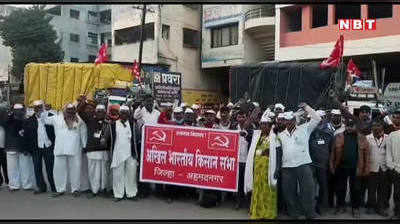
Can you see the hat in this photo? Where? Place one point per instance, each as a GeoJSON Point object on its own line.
{"type": "Point", "coordinates": [178, 110]}
{"type": "Point", "coordinates": [365, 108]}
{"type": "Point", "coordinates": [38, 103]}
{"type": "Point", "coordinates": [336, 112]}
{"type": "Point", "coordinates": [195, 107]}
{"type": "Point", "coordinates": [70, 105]}
{"type": "Point", "coordinates": [183, 104]}
{"type": "Point", "coordinates": [210, 112]}
{"type": "Point", "coordinates": [124, 108]}
{"type": "Point", "coordinates": [18, 106]}
{"type": "Point", "coordinates": [100, 107]}
{"type": "Point", "coordinates": [321, 113]}
{"type": "Point", "coordinates": [256, 104]}
{"type": "Point", "coordinates": [280, 106]}
{"type": "Point", "coordinates": [188, 111]}
{"type": "Point", "coordinates": [230, 105]}
{"type": "Point", "coordinates": [281, 115]}
{"type": "Point", "coordinates": [167, 104]}
{"type": "Point", "coordinates": [288, 115]}
{"type": "Point", "coordinates": [265, 119]}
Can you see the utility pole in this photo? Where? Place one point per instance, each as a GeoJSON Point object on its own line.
{"type": "Point", "coordinates": [141, 36]}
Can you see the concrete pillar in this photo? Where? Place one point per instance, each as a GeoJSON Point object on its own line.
{"type": "Point", "coordinates": [364, 11]}
{"type": "Point", "coordinates": [331, 15]}
{"type": "Point", "coordinates": [396, 12]}
{"type": "Point", "coordinates": [306, 17]}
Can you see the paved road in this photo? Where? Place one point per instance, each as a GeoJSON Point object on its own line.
{"type": "Point", "coordinates": [25, 205]}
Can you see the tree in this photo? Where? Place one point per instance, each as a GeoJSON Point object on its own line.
{"type": "Point", "coordinates": [31, 37]}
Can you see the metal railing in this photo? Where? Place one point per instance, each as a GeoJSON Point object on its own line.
{"type": "Point", "coordinates": [259, 13]}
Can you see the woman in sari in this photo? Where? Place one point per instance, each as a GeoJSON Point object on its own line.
{"type": "Point", "coordinates": [260, 175]}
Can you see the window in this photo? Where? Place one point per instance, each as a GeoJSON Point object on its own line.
{"type": "Point", "coordinates": [93, 17]}
{"type": "Point", "coordinates": [165, 32]}
{"type": "Point", "coordinates": [347, 11]}
{"type": "Point", "coordinates": [55, 11]}
{"type": "Point", "coordinates": [377, 11]}
{"type": "Point", "coordinates": [106, 38]}
{"type": "Point", "coordinates": [224, 36]}
{"type": "Point", "coordinates": [92, 58]}
{"type": "Point", "coordinates": [294, 18]}
{"type": "Point", "coordinates": [191, 38]}
{"type": "Point", "coordinates": [74, 59]}
{"type": "Point", "coordinates": [105, 16]}
{"type": "Point", "coordinates": [320, 15]}
{"type": "Point", "coordinates": [132, 34]}
{"type": "Point", "coordinates": [93, 38]}
{"type": "Point", "coordinates": [74, 13]}
{"type": "Point", "coordinates": [74, 37]}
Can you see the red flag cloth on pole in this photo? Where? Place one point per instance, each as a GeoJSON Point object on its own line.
{"type": "Point", "coordinates": [336, 56]}
{"type": "Point", "coordinates": [102, 55]}
{"type": "Point", "coordinates": [352, 72]}
{"type": "Point", "coordinates": [136, 70]}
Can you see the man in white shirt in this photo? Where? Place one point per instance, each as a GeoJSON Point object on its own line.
{"type": "Point", "coordinates": [41, 138]}
{"type": "Point", "coordinates": [393, 161]}
{"type": "Point", "coordinates": [296, 162]}
{"type": "Point", "coordinates": [377, 180]}
{"type": "Point", "coordinates": [124, 157]}
{"type": "Point", "coordinates": [146, 114]}
{"type": "Point", "coordinates": [70, 139]}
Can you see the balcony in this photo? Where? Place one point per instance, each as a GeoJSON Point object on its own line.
{"type": "Point", "coordinates": [259, 18]}
{"type": "Point", "coordinates": [260, 25]}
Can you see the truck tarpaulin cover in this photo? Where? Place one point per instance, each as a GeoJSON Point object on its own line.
{"type": "Point", "coordinates": [59, 84]}
{"type": "Point", "coordinates": [288, 83]}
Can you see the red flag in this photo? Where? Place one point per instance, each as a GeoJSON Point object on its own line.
{"type": "Point", "coordinates": [352, 69]}
{"type": "Point", "coordinates": [136, 70]}
{"type": "Point", "coordinates": [352, 72]}
{"type": "Point", "coordinates": [336, 56]}
{"type": "Point", "coordinates": [102, 55]}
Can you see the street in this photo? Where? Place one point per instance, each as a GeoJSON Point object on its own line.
{"type": "Point", "coordinates": [24, 205]}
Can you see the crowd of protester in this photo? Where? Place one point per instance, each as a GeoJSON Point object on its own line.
{"type": "Point", "coordinates": [299, 163]}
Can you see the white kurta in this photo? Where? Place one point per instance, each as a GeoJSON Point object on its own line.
{"type": "Point", "coordinates": [68, 153]}
{"type": "Point", "coordinates": [124, 166]}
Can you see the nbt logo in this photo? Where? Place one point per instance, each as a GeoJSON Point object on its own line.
{"type": "Point", "coordinates": [357, 24]}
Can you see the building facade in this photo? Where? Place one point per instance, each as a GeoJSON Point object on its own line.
{"type": "Point", "coordinates": [81, 30]}
{"type": "Point", "coordinates": [309, 33]}
{"type": "Point", "coordinates": [171, 38]}
{"type": "Point", "coordinates": [236, 34]}
{"type": "Point", "coordinates": [5, 52]}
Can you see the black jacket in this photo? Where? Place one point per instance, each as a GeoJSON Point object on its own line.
{"type": "Point", "coordinates": [12, 127]}
{"type": "Point", "coordinates": [320, 143]}
{"type": "Point", "coordinates": [135, 150]}
{"type": "Point", "coordinates": [31, 133]}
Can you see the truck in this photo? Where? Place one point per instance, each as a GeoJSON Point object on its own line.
{"type": "Point", "coordinates": [289, 83]}
{"type": "Point", "coordinates": [61, 83]}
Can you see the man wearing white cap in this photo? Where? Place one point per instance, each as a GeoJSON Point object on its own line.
{"type": "Point", "coordinates": [70, 132]}
{"type": "Point", "coordinates": [178, 116]}
{"type": "Point", "coordinates": [146, 114]}
{"type": "Point", "coordinates": [125, 156]}
{"type": "Point", "coordinates": [337, 121]}
{"type": "Point", "coordinates": [19, 159]}
{"type": "Point", "coordinates": [41, 138]}
{"type": "Point", "coordinates": [321, 141]}
{"type": "Point", "coordinates": [98, 133]}
{"type": "Point", "coordinates": [189, 117]}
{"type": "Point", "coordinates": [296, 164]}
{"type": "Point", "coordinates": [279, 108]}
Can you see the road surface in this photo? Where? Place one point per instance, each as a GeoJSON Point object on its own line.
{"type": "Point", "coordinates": [24, 205]}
